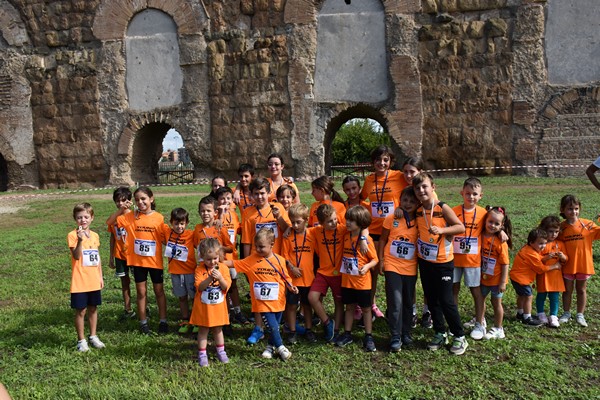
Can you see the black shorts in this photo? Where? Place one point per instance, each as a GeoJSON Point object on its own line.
{"type": "Point", "coordinates": [140, 274]}
{"type": "Point", "coordinates": [355, 296]}
{"type": "Point", "coordinates": [302, 296]}
{"type": "Point", "coordinates": [121, 268]}
{"type": "Point", "coordinates": [81, 300]}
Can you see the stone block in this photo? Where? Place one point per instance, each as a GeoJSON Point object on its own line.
{"type": "Point", "coordinates": [496, 27]}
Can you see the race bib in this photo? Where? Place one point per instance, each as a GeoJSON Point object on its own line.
{"type": "Point", "coordinates": [144, 248]}
{"type": "Point", "coordinates": [463, 245]}
{"type": "Point", "coordinates": [427, 251]}
{"type": "Point", "coordinates": [212, 295]}
{"type": "Point", "coordinates": [177, 252]}
{"type": "Point", "coordinates": [269, 225]}
{"type": "Point", "coordinates": [402, 249]}
{"type": "Point", "coordinates": [91, 258]}
{"type": "Point", "coordinates": [266, 291]}
{"type": "Point", "coordinates": [231, 235]}
{"type": "Point", "coordinates": [349, 266]}
{"type": "Point", "coordinates": [383, 209]}
{"type": "Point", "coordinates": [488, 265]}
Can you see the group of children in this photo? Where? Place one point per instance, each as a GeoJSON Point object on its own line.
{"type": "Point", "coordinates": [291, 255]}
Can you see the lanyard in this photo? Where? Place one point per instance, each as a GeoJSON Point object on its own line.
{"type": "Point", "coordinates": [327, 245]}
{"type": "Point", "coordinates": [406, 218]}
{"type": "Point", "coordinates": [354, 245]}
{"type": "Point", "coordinates": [299, 258]}
{"type": "Point", "coordinates": [490, 249]}
{"type": "Point", "coordinates": [206, 236]}
{"type": "Point", "coordinates": [380, 199]}
{"type": "Point", "coordinates": [279, 272]}
{"type": "Point", "coordinates": [465, 223]}
{"type": "Point", "coordinates": [262, 216]}
{"type": "Point", "coordinates": [174, 248]}
{"type": "Point", "coordinates": [429, 224]}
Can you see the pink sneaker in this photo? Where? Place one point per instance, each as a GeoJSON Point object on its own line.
{"type": "Point", "coordinates": [357, 313]}
{"type": "Point", "coordinates": [376, 311]}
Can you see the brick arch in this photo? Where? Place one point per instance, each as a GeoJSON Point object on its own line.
{"type": "Point", "coordinates": [12, 26]}
{"type": "Point", "coordinates": [113, 16]}
{"type": "Point", "coordinates": [135, 124]}
{"type": "Point", "coordinates": [561, 103]}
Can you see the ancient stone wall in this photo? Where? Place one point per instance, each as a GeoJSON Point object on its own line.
{"type": "Point", "coordinates": [462, 83]}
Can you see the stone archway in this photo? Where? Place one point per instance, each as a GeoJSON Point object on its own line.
{"type": "Point", "coordinates": [147, 149]}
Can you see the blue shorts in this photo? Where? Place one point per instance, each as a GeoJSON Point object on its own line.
{"type": "Point", "coordinates": [79, 301]}
{"type": "Point", "coordinates": [496, 293]}
{"type": "Point", "coordinates": [522, 290]}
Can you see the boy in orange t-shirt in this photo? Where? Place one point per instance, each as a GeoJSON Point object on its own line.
{"type": "Point", "coordinates": [267, 277]}
{"type": "Point", "coordinates": [356, 276]}
{"type": "Point", "coordinates": [86, 275]}
{"type": "Point", "coordinates": [207, 208]}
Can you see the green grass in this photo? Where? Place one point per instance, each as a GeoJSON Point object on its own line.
{"type": "Point", "coordinates": [37, 337]}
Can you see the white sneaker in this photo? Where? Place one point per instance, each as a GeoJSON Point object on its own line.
{"type": "Point", "coordinates": [495, 333]}
{"type": "Point", "coordinates": [268, 353]}
{"type": "Point", "coordinates": [478, 331]}
{"type": "Point", "coordinates": [96, 343]}
{"type": "Point", "coordinates": [565, 317]}
{"type": "Point", "coordinates": [283, 352]}
{"type": "Point", "coordinates": [543, 318]}
{"type": "Point", "coordinates": [581, 320]}
{"type": "Point", "coordinates": [554, 322]}
{"type": "Point", "coordinates": [484, 323]}
{"type": "Point", "coordinates": [82, 346]}
{"type": "Point", "coordinates": [470, 324]}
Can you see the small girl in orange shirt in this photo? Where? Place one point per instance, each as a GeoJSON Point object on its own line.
{"type": "Point", "coordinates": [212, 280]}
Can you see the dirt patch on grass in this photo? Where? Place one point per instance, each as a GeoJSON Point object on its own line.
{"type": "Point", "coordinates": [11, 209]}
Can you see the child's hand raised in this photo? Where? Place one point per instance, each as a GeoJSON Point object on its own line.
{"type": "Point", "coordinates": [275, 211]}
{"type": "Point", "coordinates": [216, 274]}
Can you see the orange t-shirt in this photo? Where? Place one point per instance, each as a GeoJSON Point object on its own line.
{"type": "Point", "coordinates": [384, 196]}
{"type": "Point", "coordinates": [180, 251]}
{"type": "Point", "coordinates": [400, 253]}
{"type": "Point", "coordinates": [144, 239]}
{"type": "Point", "coordinates": [210, 306]}
{"type": "Point", "coordinates": [86, 273]}
{"type": "Point", "coordinates": [362, 204]}
{"type": "Point", "coordinates": [467, 245]}
{"type": "Point", "coordinates": [526, 265]}
{"type": "Point", "coordinates": [552, 281]}
{"type": "Point", "coordinates": [494, 254]}
{"type": "Point", "coordinates": [329, 248]}
{"type": "Point", "coordinates": [267, 279]}
{"type": "Point", "coordinates": [254, 219]}
{"type": "Point", "coordinates": [578, 240]}
{"type": "Point", "coordinates": [231, 222]}
{"type": "Point", "coordinates": [202, 232]}
{"type": "Point", "coordinates": [286, 181]}
{"type": "Point", "coordinates": [246, 201]}
{"type": "Point", "coordinates": [352, 259]}
{"type": "Point", "coordinates": [120, 236]}
{"type": "Point", "coordinates": [299, 249]}
{"type": "Point", "coordinates": [433, 248]}
{"type": "Point", "coordinates": [340, 211]}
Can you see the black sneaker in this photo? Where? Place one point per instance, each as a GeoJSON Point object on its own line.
{"type": "Point", "coordinates": [310, 336]}
{"type": "Point", "coordinates": [292, 338]}
{"type": "Point", "coordinates": [532, 322]}
{"type": "Point", "coordinates": [240, 318]}
{"type": "Point", "coordinates": [426, 321]}
{"type": "Point", "coordinates": [415, 321]}
{"type": "Point", "coordinates": [163, 328]}
{"type": "Point", "coordinates": [519, 316]}
{"type": "Point", "coordinates": [335, 338]}
{"type": "Point", "coordinates": [344, 340]}
{"type": "Point", "coordinates": [395, 344]}
{"type": "Point", "coordinates": [369, 343]}
{"type": "Point", "coordinates": [145, 329]}
{"type": "Point", "coordinates": [407, 340]}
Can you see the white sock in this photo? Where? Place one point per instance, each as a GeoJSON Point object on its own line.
{"type": "Point", "coordinates": [525, 316]}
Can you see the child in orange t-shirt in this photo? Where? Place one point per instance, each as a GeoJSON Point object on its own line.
{"type": "Point", "coordinates": [267, 277]}
{"type": "Point", "coordinates": [578, 235]}
{"type": "Point", "coordinates": [356, 280]}
{"type": "Point", "coordinates": [324, 193]}
{"type": "Point", "coordinates": [144, 229]}
{"type": "Point", "coordinates": [298, 250]}
{"type": "Point", "coordinates": [208, 208]}
{"type": "Point", "coordinates": [180, 253]}
{"type": "Point", "coordinates": [86, 275]}
{"type": "Point", "coordinates": [210, 308]}
{"type": "Point", "coordinates": [118, 258]}
{"type": "Point", "coordinates": [286, 196]}
{"type": "Point", "coordinates": [398, 262]}
{"type": "Point", "coordinates": [527, 263]}
{"type": "Point", "coordinates": [351, 186]}
{"type": "Point", "coordinates": [494, 264]}
{"type": "Point", "coordinates": [550, 284]}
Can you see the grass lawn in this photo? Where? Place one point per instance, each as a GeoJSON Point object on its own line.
{"type": "Point", "coordinates": [37, 336]}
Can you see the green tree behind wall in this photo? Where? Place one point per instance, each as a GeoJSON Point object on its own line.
{"type": "Point", "coordinates": [355, 140]}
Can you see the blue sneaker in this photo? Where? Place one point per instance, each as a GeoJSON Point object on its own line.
{"type": "Point", "coordinates": [256, 335]}
{"type": "Point", "coordinates": [300, 330]}
{"type": "Point", "coordinates": [329, 330]}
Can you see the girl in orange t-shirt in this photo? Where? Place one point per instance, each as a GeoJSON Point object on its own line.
{"type": "Point", "coordinates": [494, 264]}
{"type": "Point", "coordinates": [324, 193]}
{"type": "Point", "coordinates": [578, 235]}
{"type": "Point", "coordinates": [351, 186]}
{"type": "Point", "coordinates": [212, 280]}
{"type": "Point", "coordinates": [356, 281]}
{"type": "Point", "coordinates": [276, 165]}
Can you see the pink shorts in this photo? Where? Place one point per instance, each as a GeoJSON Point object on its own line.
{"type": "Point", "coordinates": [322, 283]}
{"type": "Point", "coordinates": [578, 277]}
